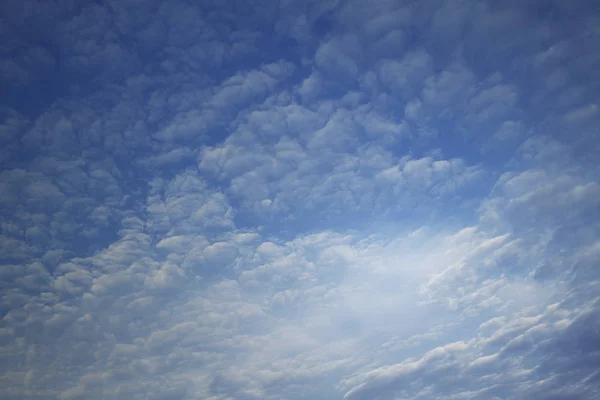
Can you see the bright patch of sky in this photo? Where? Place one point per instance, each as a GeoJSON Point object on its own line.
{"type": "Point", "coordinates": [360, 200]}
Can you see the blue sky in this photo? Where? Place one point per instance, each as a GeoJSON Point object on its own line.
{"type": "Point", "coordinates": [221, 200]}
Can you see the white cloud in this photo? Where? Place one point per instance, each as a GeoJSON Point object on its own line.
{"type": "Point", "coordinates": [405, 76]}
{"type": "Point", "coordinates": [339, 57]}
{"type": "Point", "coordinates": [298, 200]}
{"type": "Point", "coordinates": [582, 113]}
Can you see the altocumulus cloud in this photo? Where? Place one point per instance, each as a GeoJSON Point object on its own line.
{"type": "Point", "coordinates": [299, 200]}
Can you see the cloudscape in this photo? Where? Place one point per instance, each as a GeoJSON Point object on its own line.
{"type": "Point", "coordinates": [300, 199]}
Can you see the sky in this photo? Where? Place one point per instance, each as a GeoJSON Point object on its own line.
{"type": "Point", "coordinates": [299, 199]}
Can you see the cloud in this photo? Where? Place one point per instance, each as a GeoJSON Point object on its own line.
{"type": "Point", "coordinates": [337, 56]}
{"type": "Point", "coordinates": [250, 200]}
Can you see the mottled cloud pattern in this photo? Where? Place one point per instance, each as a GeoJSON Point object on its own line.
{"type": "Point", "coordinates": [265, 199]}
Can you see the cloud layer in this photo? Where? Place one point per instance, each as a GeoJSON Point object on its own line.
{"type": "Point", "coordinates": [299, 200]}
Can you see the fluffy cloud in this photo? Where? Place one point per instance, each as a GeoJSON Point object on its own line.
{"type": "Point", "coordinates": [260, 200]}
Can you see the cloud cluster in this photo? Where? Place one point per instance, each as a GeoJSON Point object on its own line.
{"type": "Point", "coordinates": [287, 200]}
